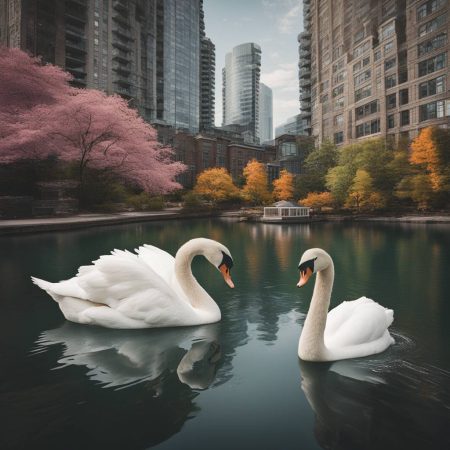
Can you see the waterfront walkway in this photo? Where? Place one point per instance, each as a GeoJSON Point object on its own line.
{"type": "Point", "coordinates": [20, 226]}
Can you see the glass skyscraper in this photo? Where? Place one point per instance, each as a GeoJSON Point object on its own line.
{"type": "Point", "coordinates": [241, 88]}
{"type": "Point", "coordinates": [265, 113]}
{"type": "Point", "coordinates": [178, 61]}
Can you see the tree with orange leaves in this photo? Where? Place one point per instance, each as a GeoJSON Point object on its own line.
{"type": "Point", "coordinates": [255, 189]}
{"type": "Point", "coordinates": [283, 187]}
{"type": "Point", "coordinates": [216, 185]}
{"type": "Point", "coordinates": [424, 152]}
{"type": "Point", "coordinates": [318, 200]}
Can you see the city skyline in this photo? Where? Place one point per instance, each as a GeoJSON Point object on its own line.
{"type": "Point", "coordinates": [274, 26]}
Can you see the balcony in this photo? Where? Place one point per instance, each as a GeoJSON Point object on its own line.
{"type": "Point", "coordinates": [305, 73]}
{"type": "Point", "coordinates": [74, 31]}
{"type": "Point", "coordinates": [305, 105]}
{"type": "Point", "coordinates": [305, 95]}
{"type": "Point", "coordinates": [305, 82]}
{"type": "Point", "coordinates": [303, 53]}
{"type": "Point", "coordinates": [121, 69]}
{"type": "Point", "coordinates": [121, 55]}
{"type": "Point", "coordinates": [304, 62]}
{"type": "Point", "coordinates": [121, 5]}
{"type": "Point", "coordinates": [78, 45]}
{"type": "Point", "coordinates": [121, 45]}
{"type": "Point", "coordinates": [122, 32]}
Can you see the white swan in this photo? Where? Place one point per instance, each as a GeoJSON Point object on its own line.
{"type": "Point", "coordinates": [351, 330]}
{"type": "Point", "coordinates": [143, 290]}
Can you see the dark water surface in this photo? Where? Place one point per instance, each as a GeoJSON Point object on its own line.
{"type": "Point", "coordinates": [237, 384]}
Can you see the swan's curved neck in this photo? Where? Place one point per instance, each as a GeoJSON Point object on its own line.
{"type": "Point", "coordinates": [197, 296]}
{"type": "Point", "coordinates": [312, 345]}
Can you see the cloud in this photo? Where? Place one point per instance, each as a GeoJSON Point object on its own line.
{"type": "Point", "coordinates": [290, 22]}
{"type": "Point", "coordinates": [284, 77]}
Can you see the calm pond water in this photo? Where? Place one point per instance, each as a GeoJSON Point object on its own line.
{"type": "Point", "coordinates": [237, 384]}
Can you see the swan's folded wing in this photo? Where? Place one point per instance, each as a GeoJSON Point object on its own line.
{"type": "Point", "coordinates": [341, 313]}
{"type": "Point", "coordinates": [160, 261]}
{"type": "Point", "coordinates": [120, 276]}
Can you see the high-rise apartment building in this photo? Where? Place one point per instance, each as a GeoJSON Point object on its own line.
{"type": "Point", "coordinates": [207, 83]}
{"type": "Point", "coordinates": [265, 113]}
{"type": "Point", "coordinates": [304, 68]}
{"type": "Point", "coordinates": [147, 51]}
{"type": "Point", "coordinates": [107, 45]}
{"type": "Point", "coordinates": [377, 68]}
{"type": "Point", "coordinates": [240, 92]}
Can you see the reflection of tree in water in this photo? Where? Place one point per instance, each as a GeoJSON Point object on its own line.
{"type": "Point", "coordinates": [377, 403]}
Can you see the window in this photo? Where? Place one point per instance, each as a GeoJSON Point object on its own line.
{"type": "Point", "coordinates": [361, 49]}
{"type": "Point", "coordinates": [339, 120]}
{"type": "Point", "coordinates": [433, 110]}
{"type": "Point", "coordinates": [432, 64]}
{"type": "Point", "coordinates": [404, 118]}
{"type": "Point", "coordinates": [368, 128]}
{"type": "Point", "coordinates": [339, 103]}
{"type": "Point", "coordinates": [324, 98]}
{"type": "Point", "coordinates": [367, 109]}
{"type": "Point", "coordinates": [339, 77]}
{"type": "Point", "coordinates": [387, 31]}
{"type": "Point", "coordinates": [428, 8]}
{"type": "Point", "coordinates": [362, 77]}
{"type": "Point", "coordinates": [390, 81]}
{"type": "Point", "coordinates": [363, 93]}
{"type": "Point", "coordinates": [391, 101]}
{"type": "Point", "coordinates": [434, 43]}
{"type": "Point", "coordinates": [390, 63]}
{"type": "Point", "coordinates": [388, 47]}
{"type": "Point", "coordinates": [338, 65]}
{"type": "Point", "coordinates": [432, 87]}
{"type": "Point", "coordinates": [359, 36]}
{"type": "Point", "coordinates": [403, 97]}
{"type": "Point", "coordinates": [339, 137]}
{"type": "Point", "coordinates": [338, 90]}
{"type": "Point", "coordinates": [377, 55]}
{"type": "Point", "coordinates": [432, 25]}
{"type": "Point", "coordinates": [391, 121]}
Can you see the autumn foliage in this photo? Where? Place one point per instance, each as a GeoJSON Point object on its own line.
{"type": "Point", "coordinates": [283, 187]}
{"type": "Point", "coordinates": [317, 200]}
{"type": "Point", "coordinates": [255, 189]}
{"type": "Point", "coordinates": [216, 185]}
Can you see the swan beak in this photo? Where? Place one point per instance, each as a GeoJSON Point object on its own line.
{"type": "Point", "coordinates": [304, 277]}
{"type": "Point", "coordinates": [226, 275]}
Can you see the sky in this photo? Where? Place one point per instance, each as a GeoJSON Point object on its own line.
{"type": "Point", "coordinates": [274, 25]}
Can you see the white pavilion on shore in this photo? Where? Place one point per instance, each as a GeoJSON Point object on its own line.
{"type": "Point", "coordinates": [284, 211]}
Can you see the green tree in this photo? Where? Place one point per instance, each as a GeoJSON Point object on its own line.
{"type": "Point", "coordinates": [317, 164]}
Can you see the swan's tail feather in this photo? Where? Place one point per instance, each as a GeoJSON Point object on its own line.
{"type": "Point", "coordinates": [389, 316]}
{"type": "Point", "coordinates": [45, 286]}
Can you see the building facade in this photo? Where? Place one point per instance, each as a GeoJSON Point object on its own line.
{"type": "Point", "coordinates": [241, 81]}
{"type": "Point", "coordinates": [107, 45]}
{"type": "Point", "coordinates": [293, 125]}
{"type": "Point", "coordinates": [265, 113]}
{"type": "Point", "coordinates": [377, 68]}
{"type": "Point", "coordinates": [147, 51]}
{"type": "Point", "coordinates": [207, 83]}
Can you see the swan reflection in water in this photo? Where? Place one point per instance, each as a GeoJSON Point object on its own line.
{"type": "Point", "coordinates": [375, 402]}
{"type": "Point", "coordinates": [118, 358]}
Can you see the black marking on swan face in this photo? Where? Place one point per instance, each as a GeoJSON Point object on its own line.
{"type": "Point", "coordinates": [307, 265]}
{"type": "Point", "coordinates": [227, 260]}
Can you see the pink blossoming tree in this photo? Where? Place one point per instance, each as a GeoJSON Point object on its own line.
{"type": "Point", "coordinates": [83, 126]}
